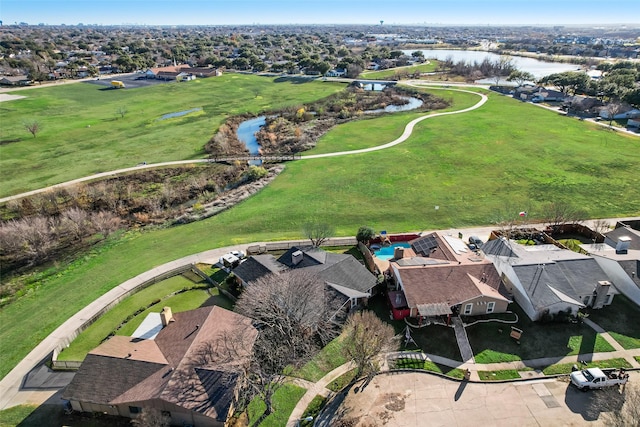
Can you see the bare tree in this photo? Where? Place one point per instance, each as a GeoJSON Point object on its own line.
{"type": "Point", "coordinates": [317, 232]}
{"type": "Point", "coordinates": [617, 407]}
{"type": "Point", "coordinates": [613, 109]}
{"type": "Point", "coordinates": [32, 238]}
{"type": "Point", "coordinates": [33, 127]}
{"type": "Point", "coordinates": [122, 111]}
{"type": "Point", "coordinates": [560, 212]}
{"type": "Point", "coordinates": [293, 311]}
{"type": "Point", "coordinates": [105, 222]}
{"type": "Point", "coordinates": [76, 222]}
{"type": "Point", "coordinates": [366, 338]}
{"type": "Point", "coordinates": [151, 417]}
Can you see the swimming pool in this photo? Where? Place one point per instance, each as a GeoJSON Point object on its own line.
{"type": "Point", "coordinates": [386, 252]}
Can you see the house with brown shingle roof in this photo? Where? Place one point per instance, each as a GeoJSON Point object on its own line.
{"type": "Point", "coordinates": [443, 277]}
{"type": "Point", "coordinates": [177, 372]}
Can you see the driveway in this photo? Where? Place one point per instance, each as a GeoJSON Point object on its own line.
{"type": "Point", "coordinates": [408, 399]}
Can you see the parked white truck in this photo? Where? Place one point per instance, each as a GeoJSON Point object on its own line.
{"type": "Point", "coordinates": [593, 378]}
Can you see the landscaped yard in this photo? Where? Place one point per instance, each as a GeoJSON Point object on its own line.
{"type": "Point", "coordinates": [427, 365]}
{"type": "Point", "coordinates": [329, 358]}
{"type": "Point", "coordinates": [566, 368]}
{"type": "Point", "coordinates": [621, 319]}
{"type": "Point", "coordinates": [491, 342]}
{"type": "Point", "coordinates": [150, 299]}
{"type": "Point", "coordinates": [474, 166]}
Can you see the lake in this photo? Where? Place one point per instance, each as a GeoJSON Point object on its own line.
{"type": "Point", "coordinates": [537, 68]}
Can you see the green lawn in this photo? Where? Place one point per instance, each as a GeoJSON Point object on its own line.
{"type": "Point", "coordinates": [160, 292]}
{"type": "Point", "coordinates": [329, 358]}
{"type": "Point", "coordinates": [427, 365]}
{"type": "Point", "coordinates": [565, 368]}
{"type": "Point", "coordinates": [284, 400]}
{"type": "Point", "coordinates": [342, 381]}
{"type": "Point", "coordinates": [538, 340]}
{"type": "Point", "coordinates": [621, 319]}
{"type": "Point", "coordinates": [80, 127]}
{"type": "Point", "coordinates": [505, 374]}
{"type": "Point", "coordinates": [394, 72]}
{"type": "Point", "coordinates": [473, 166]}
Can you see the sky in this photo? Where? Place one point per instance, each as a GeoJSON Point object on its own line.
{"type": "Point", "coordinates": [233, 12]}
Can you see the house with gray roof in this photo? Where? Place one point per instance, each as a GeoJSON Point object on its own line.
{"type": "Point", "coordinates": [176, 371]}
{"type": "Point", "coordinates": [619, 257]}
{"type": "Point", "coordinates": [341, 272]}
{"type": "Point", "coordinates": [546, 280]}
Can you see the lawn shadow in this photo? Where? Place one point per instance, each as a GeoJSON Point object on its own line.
{"type": "Point", "coordinates": [219, 300]}
{"type": "Point", "coordinates": [588, 344]}
{"type": "Point", "coordinates": [295, 79]}
{"type": "Point", "coordinates": [52, 413]}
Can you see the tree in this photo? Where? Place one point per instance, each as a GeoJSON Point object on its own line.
{"type": "Point", "coordinates": [366, 338]}
{"type": "Point", "coordinates": [520, 77]}
{"type": "Point", "coordinates": [121, 111]}
{"type": "Point", "coordinates": [569, 82]}
{"type": "Point", "coordinates": [33, 127]}
{"type": "Point", "coordinates": [617, 406]}
{"type": "Point", "coordinates": [151, 417]}
{"type": "Point", "coordinates": [365, 234]}
{"type": "Point", "coordinates": [613, 109]}
{"type": "Point", "coordinates": [317, 232]}
{"type": "Point", "coordinates": [561, 212]}
{"type": "Point", "coordinates": [293, 312]}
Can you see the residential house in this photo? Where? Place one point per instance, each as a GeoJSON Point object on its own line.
{"type": "Point", "coordinates": [171, 367]}
{"type": "Point", "coordinates": [546, 280]}
{"type": "Point", "coordinates": [628, 113]}
{"type": "Point", "coordinates": [15, 80]}
{"type": "Point", "coordinates": [177, 72]}
{"type": "Point", "coordinates": [341, 272]}
{"type": "Point", "coordinates": [441, 276]}
{"type": "Point", "coordinates": [337, 72]}
{"type": "Point", "coordinates": [619, 257]}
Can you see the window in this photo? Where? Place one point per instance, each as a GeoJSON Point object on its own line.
{"type": "Point", "coordinates": [490, 307]}
{"type": "Point", "coordinates": [468, 308]}
{"type": "Point", "coordinates": [609, 299]}
{"type": "Point", "coordinates": [587, 300]}
{"type": "Point", "coordinates": [135, 409]}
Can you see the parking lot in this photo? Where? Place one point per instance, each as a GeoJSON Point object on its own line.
{"type": "Point", "coordinates": [131, 81]}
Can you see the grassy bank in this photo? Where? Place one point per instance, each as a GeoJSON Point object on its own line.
{"type": "Point", "coordinates": [505, 156]}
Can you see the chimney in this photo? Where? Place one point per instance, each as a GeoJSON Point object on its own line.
{"type": "Point", "coordinates": [623, 244]}
{"type": "Point", "coordinates": [398, 253]}
{"type": "Point", "coordinates": [296, 257]}
{"type": "Point", "coordinates": [166, 316]}
{"type": "Point", "coordinates": [601, 291]}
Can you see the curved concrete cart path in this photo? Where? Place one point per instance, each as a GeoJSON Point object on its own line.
{"type": "Point", "coordinates": [408, 130]}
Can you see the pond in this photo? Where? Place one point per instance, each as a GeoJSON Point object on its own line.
{"type": "Point", "coordinates": [412, 104]}
{"type": "Point", "coordinates": [534, 66]}
{"type": "Point", "coordinates": [247, 134]}
{"type": "Point", "coordinates": [179, 114]}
